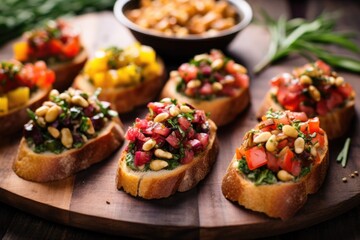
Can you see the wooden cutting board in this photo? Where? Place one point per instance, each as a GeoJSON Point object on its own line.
{"type": "Point", "coordinates": [91, 201]}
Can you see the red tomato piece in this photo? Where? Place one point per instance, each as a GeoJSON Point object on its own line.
{"type": "Point", "coordinates": [286, 160]}
{"type": "Point", "coordinates": [188, 72]}
{"type": "Point", "coordinates": [301, 116]}
{"type": "Point", "coordinates": [161, 129]}
{"type": "Point", "coordinates": [71, 49]}
{"type": "Point", "coordinates": [334, 100]}
{"type": "Point", "coordinates": [272, 162]}
{"type": "Point", "coordinates": [296, 168]}
{"type": "Point", "coordinates": [323, 66]}
{"type": "Point", "coordinates": [188, 156]}
{"type": "Point", "coordinates": [142, 158]}
{"type": "Point", "coordinates": [313, 125]}
{"type": "Point", "coordinates": [55, 46]}
{"type": "Point", "coordinates": [206, 89]}
{"type": "Point", "coordinates": [255, 157]}
{"type": "Point", "coordinates": [319, 138]}
{"type": "Point", "coordinates": [241, 80]}
{"type": "Point", "coordinates": [282, 144]}
{"type": "Point", "coordinates": [184, 123]}
{"type": "Point", "coordinates": [346, 89]}
{"type": "Point", "coordinates": [203, 138]}
{"type": "Point", "coordinates": [173, 140]}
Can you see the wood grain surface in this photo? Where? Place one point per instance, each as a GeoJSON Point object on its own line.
{"type": "Point", "coordinates": [91, 201]}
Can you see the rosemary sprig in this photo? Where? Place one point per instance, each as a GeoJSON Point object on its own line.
{"type": "Point", "coordinates": [343, 155]}
{"type": "Point", "coordinates": [309, 39]}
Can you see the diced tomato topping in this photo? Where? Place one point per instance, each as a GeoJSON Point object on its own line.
{"type": "Point", "coordinates": [199, 117]}
{"type": "Point", "coordinates": [188, 72]}
{"type": "Point", "coordinates": [255, 157]}
{"type": "Point", "coordinates": [313, 125]}
{"type": "Point", "coordinates": [319, 138]}
{"type": "Point", "coordinates": [334, 100]}
{"type": "Point", "coordinates": [156, 107]}
{"type": "Point", "coordinates": [282, 120]}
{"type": "Point", "coordinates": [272, 163]}
{"type": "Point", "coordinates": [195, 145]}
{"type": "Point", "coordinates": [72, 48]}
{"type": "Point", "coordinates": [184, 123]}
{"type": "Point", "coordinates": [304, 128]}
{"type": "Point", "coordinates": [229, 67]}
{"type": "Point", "coordinates": [161, 129]}
{"type": "Point", "coordinates": [141, 123]}
{"type": "Point", "coordinates": [142, 157]}
{"type": "Point", "coordinates": [296, 168]}
{"type": "Point", "coordinates": [283, 143]}
{"type": "Point", "coordinates": [132, 134]}
{"type": "Point", "coordinates": [326, 68]}
{"type": "Point", "coordinates": [173, 140]}
{"type": "Point", "coordinates": [188, 156]}
{"type": "Point", "coordinates": [203, 138]}
{"type": "Point", "coordinates": [206, 89]}
{"type": "Point", "coordinates": [191, 132]}
{"type": "Point", "coordinates": [55, 46]}
{"type": "Point", "coordinates": [346, 89]}
{"type": "Point", "coordinates": [286, 160]}
{"type": "Point", "coordinates": [301, 116]}
{"type": "Point", "coordinates": [242, 80]}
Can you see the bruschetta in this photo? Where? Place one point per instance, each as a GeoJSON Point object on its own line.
{"type": "Point", "coordinates": [22, 86]}
{"type": "Point", "coordinates": [171, 150]}
{"type": "Point", "coordinates": [59, 45]}
{"type": "Point", "coordinates": [316, 90]}
{"type": "Point", "coordinates": [65, 135]}
{"type": "Point", "coordinates": [211, 82]}
{"type": "Point", "coordinates": [129, 77]}
{"type": "Point", "coordinates": [280, 161]}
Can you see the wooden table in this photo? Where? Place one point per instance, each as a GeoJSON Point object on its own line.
{"type": "Point", "coordinates": [15, 224]}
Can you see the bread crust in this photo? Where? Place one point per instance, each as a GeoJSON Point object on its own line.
{"type": "Point", "coordinates": [125, 99]}
{"type": "Point", "coordinates": [15, 119]}
{"type": "Point", "coordinates": [279, 200]}
{"type": "Point", "coordinates": [334, 123]}
{"type": "Point", "coordinates": [222, 110]}
{"type": "Point", "coordinates": [67, 71]}
{"type": "Point", "coordinates": [45, 167]}
{"type": "Point", "coordinates": [163, 183]}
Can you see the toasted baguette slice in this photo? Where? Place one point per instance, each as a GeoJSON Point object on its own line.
{"type": "Point", "coordinates": [335, 123]}
{"type": "Point", "coordinates": [125, 99]}
{"type": "Point", "coordinates": [15, 119]}
{"type": "Point", "coordinates": [163, 183]}
{"type": "Point", "coordinates": [48, 166]}
{"type": "Point", "coordinates": [278, 200]}
{"type": "Point", "coordinates": [222, 110]}
{"type": "Point", "coordinates": [67, 71]}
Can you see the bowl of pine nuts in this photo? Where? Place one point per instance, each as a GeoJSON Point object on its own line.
{"type": "Point", "coordinates": [182, 28]}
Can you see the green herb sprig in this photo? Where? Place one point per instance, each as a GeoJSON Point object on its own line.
{"type": "Point", "coordinates": [343, 155]}
{"type": "Point", "coordinates": [309, 39]}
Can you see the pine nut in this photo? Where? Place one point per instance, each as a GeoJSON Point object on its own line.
{"type": "Point", "coordinates": [54, 93]}
{"type": "Point", "coordinates": [149, 144]}
{"type": "Point", "coordinates": [228, 79]}
{"type": "Point", "coordinates": [41, 111]}
{"type": "Point", "coordinates": [174, 74]}
{"type": "Point", "coordinates": [216, 86]}
{"type": "Point", "coordinates": [161, 117]}
{"type": "Point", "coordinates": [290, 131]}
{"type": "Point", "coordinates": [332, 80]}
{"type": "Point", "coordinates": [314, 93]}
{"type": "Point", "coordinates": [262, 137]}
{"type": "Point", "coordinates": [271, 143]}
{"type": "Point", "coordinates": [299, 145]}
{"type": "Point", "coordinates": [52, 113]}
{"type": "Point", "coordinates": [201, 57]}
{"type": "Point", "coordinates": [185, 109]}
{"type": "Point", "coordinates": [166, 100]}
{"type": "Point", "coordinates": [284, 176]}
{"type": "Point", "coordinates": [79, 100]}
{"type": "Point", "coordinates": [66, 138]}
{"type": "Point", "coordinates": [174, 111]}
{"type": "Point", "coordinates": [305, 80]}
{"type": "Point", "coordinates": [91, 129]}
{"type": "Point", "coordinates": [313, 150]}
{"type": "Point", "coordinates": [194, 83]}
{"type": "Point", "coordinates": [163, 154]}
{"type": "Point", "coordinates": [65, 97]}
{"type": "Point", "coordinates": [217, 64]}
{"type": "Point", "coordinates": [339, 81]}
{"type": "Point", "coordinates": [157, 164]}
{"type": "Point", "coordinates": [240, 68]}
{"type": "Point", "coordinates": [49, 104]}
{"type": "Point", "coordinates": [53, 132]}
{"type": "Point", "coordinates": [41, 121]}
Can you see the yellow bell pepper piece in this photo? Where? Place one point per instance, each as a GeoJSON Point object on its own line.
{"type": "Point", "coordinates": [18, 97]}
{"type": "Point", "coordinates": [128, 75]}
{"type": "Point", "coordinates": [147, 55]}
{"type": "Point", "coordinates": [151, 70]}
{"type": "Point", "coordinates": [20, 51]}
{"type": "Point", "coordinates": [3, 105]}
{"type": "Point", "coordinates": [96, 65]}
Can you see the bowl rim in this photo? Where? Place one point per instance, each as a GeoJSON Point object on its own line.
{"type": "Point", "coordinates": [244, 10]}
